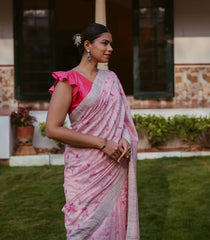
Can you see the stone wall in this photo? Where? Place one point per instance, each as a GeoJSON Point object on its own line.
{"type": "Point", "coordinates": [192, 84]}
{"type": "Point", "coordinates": [7, 101]}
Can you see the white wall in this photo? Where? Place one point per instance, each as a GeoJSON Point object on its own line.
{"type": "Point", "coordinates": [192, 31]}
{"type": "Point", "coordinates": [5, 137]}
{"type": "Point", "coordinates": [6, 33]}
{"type": "Point", "coordinates": [173, 111]}
{"type": "Point", "coordinates": [38, 140]}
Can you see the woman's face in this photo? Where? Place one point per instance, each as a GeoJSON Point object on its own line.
{"type": "Point", "coordinates": [101, 48]}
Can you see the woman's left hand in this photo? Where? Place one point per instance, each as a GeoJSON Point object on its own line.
{"type": "Point", "coordinates": [125, 148]}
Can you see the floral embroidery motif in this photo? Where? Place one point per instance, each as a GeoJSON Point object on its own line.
{"type": "Point", "coordinates": [70, 207]}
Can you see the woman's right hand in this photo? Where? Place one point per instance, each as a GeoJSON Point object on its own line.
{"type": "Point", "coordinates": [112, 150]}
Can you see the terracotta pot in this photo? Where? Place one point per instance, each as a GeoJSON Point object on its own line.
{"type": "Point", "coordinates": [25, 134]}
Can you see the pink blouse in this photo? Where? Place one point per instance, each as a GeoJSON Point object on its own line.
{"type": "Point", "coordinates": [81, 85]}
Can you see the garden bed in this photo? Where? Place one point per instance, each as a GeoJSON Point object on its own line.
{"type": "Point", "coordinates": [180, 132]}
{"type": "Point", "coordinates": [49, 151]}
{"type": "Point", "coordinates": [187, 149]}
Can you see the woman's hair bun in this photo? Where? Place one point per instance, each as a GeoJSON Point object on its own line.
{"type": "Point", "coordinates": [89, 33]}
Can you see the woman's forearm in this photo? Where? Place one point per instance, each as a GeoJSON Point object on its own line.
{"type": "Point", "coordinates": [59, 107]}
{"type": "Point", "coordinates": [73, 138]}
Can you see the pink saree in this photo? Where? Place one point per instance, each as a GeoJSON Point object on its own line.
{"type": "Point", "coordinates": [101, 195]}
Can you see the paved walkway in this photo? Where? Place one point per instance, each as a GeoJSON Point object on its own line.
{"type": "Point", "coordinates": [58, 159]}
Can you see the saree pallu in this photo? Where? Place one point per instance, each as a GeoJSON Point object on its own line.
{"type": "Point", "coordinates": [101, 195]}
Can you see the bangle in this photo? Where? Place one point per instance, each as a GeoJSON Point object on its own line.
{"type": "Point", "coordinates": [105, 143]}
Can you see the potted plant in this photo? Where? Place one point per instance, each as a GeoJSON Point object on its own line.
{"type": "Point", "coordinates": [23, 122]}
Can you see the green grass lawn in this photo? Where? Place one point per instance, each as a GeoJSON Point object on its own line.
{"type": "Point", "coordinates": [174, 200]}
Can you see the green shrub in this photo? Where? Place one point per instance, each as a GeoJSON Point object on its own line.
{"type": "Point", "coordinates": [155, 126]}
{"type": "Point", "coordinates": [189, 129]}
{"type": "Point", "coordinates": [184, 127]}
{"type": "Point", "coordinates": [204, 128]}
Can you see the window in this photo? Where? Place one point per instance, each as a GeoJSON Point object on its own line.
{"type": "Point", "coordinates": [43, 31]}
{"type": "Point", "coordinates": [119, 21]}
{"type": "Point", "coordinates": [153, 48]}
{"type": "Point", "coordinates": [33, 28]}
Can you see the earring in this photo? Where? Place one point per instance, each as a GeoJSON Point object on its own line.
{"type": "Point", "coordinates": [88, 56]}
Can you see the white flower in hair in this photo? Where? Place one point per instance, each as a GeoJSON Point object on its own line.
{"type": "Point", "coordinates": [77, 40]}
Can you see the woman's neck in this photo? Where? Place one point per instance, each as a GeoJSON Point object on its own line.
{"type": "Point", "coordinates": [87, 69]}
{"type": "Point", "coordinates": [86, 66]}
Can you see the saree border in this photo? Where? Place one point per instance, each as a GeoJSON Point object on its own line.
{"type": "Point", "coordinates": [89, 99]}
{"type": "Point", "coordinates": [133, 232]}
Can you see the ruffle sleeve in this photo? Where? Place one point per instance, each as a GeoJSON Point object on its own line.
{"type": "Point", "coordinates": [64, 76]}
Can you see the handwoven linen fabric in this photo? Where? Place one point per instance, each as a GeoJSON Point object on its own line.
{"type": "Point", "coordinates": [101, 195]}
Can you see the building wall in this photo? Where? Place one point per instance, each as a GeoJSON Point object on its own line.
{"type": "Point", "coordinates": [7, 100]}
{"type": "Point", "coordinates": [191, 55]}
{"type": "Point", "coordinates": [192, 35]}
{"type": "Point", "coordinates": [6, 33]}
{"type": "Point", "coordinates": [192, 84]}
{"type": "Point", "coordinates": [191, 58]}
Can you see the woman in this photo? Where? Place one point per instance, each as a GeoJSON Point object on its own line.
{"type": "Point", "coordinates": [100, 155]}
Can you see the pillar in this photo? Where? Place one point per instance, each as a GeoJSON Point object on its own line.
{"type": "Point", "coordinates": [100, 17]}
{"type": "Point", "coordinates": [100, 11]}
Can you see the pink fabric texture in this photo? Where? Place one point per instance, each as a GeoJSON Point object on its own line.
{"type": "Point", "coordinates": [101, 195]}
{"type": "Point", "coordinates": [81, 85]}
